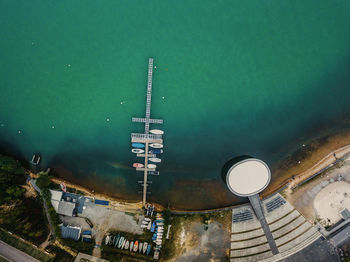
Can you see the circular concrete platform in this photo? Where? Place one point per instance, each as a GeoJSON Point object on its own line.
{"type": "Point", "coordinates": [248, 177]}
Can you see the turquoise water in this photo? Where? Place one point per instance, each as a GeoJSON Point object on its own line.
{"type": "Point", "coordinates": [251, 77]}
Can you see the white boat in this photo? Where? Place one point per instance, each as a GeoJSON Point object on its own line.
{"type": "Point", "coordinates": [144, 249]}
{"type": "Point", "coordinates": [155, 159]}
{"type": "Point", "coordinates": [137, 150]}
{"type": "Point", "coordinates": [140, 247]}
{"type": "Point", "coordinates": [123, 245]}
{"type": "Point", "coordinates": [131, 245]}
{"type": "Point", "coordinates": [147, 219]}
{"type": "Point", "coordinates": [149, 225]}
{"type": "Point", "coordinates": [144, 226]}
{"type": "Point", "coordinates": [157, 131]}
{"type": "Point", "coordinates": [151, 166]}
{"type": "Point", "coordinates": [145, 222]}
{"type": "Point", "coordinates": [156, 145]}
{"type": "Point", "coordinates": [107, 240]}
{"type": "Point", "coordinates": [127, 244]}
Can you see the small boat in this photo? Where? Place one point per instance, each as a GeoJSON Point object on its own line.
{"type": "Point", "coordinates": [137, 150]}
{"type": "Point", "coordinates": [156, 145]}
{"type": "Point", "coordinates": [120, 243]}
{"type": "Point", "coordinates": [131, 245]}
{"type": "Point", "coordinates": [144, 249]}
{"type": "Point", "coordinates": [145, 222]}
{"type": "Point", "coordinates": [160, 224]}
{"type": "Point", "coordinates": [153, 227]}
{"type": "Point", "coordinates": [156, 132]}
{"type": "Point", "coordinates": [155, 160]}
{"type": "Point", "coordinates": [124, 242]}
{"type": "Point", "coordinates": [147, 219]}
{"type": "Point", "coordinates": [136, 245]}
{"type": "Point", "coordinates": [137, 165]}
{"type": "Point", "coordinates": [138, 145]}
{"type": "Point", "coordinates": [127, 244]}
{"type": "Point", "coordinates": [149, 225]}
{"type": "Point", "coordinates": [107, 240]}
{"type": "Point", "coordinates": [143, 226]}
{"type": "Point", "coordinates": [151, 166]}
{"type": "Point", "coordinates": [148, 249]}
{"type": "Point", "coordinates": [116, 240]}
{"type": "Point", "coordinates": [140, 247]}
{"type": "Point", "coordinates": [156, 151]}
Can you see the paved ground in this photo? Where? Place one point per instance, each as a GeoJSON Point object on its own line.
{"type": "Point", "coordinates": [319, 251]}
{"type": "Point", "coordinates": [14, 254]}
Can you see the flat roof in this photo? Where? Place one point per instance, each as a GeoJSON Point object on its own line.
{"type": "Point", "coordinates": [248, 177]}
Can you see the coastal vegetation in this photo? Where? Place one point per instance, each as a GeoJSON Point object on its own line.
{"type": "Point", "coordinates": [20, 214]}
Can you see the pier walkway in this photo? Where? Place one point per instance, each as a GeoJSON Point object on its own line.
{"type": "Point", "coordinates": [146, 137]}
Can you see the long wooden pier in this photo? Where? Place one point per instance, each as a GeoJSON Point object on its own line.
{"type": "Point", "coordinates": [146, 137]}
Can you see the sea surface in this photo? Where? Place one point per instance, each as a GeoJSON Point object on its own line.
{"type": "Point", "coordinates": [231, 78]}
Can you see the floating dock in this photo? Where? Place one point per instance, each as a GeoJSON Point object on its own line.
{"type": "Point", "coordinates": [146, 137]}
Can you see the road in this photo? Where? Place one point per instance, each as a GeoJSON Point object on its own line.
{"type": "Point", "coordinates": [14, 254]}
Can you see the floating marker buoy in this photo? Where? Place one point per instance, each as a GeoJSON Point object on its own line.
{"type": "Point", "coordinates": [69, 65]}
{"type": "Point", "coordinates": [107, 119]}
{"type": "Point", "coordinates": [53, 126]}
{"type": "Point", "coordinates": [19, 131]}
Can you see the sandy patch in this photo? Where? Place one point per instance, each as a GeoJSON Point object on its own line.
{"type": "Point", "coordinates": [331, 200]}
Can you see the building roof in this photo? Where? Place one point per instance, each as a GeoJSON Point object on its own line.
{"type": "Point", "coordinates": [70, 232]}
{"type": "Point", "coordinates": [65, 208]}
{"type": "Point", "coordinates": [56, 195]}
{"type": "Point", "coordinates": [248, 177]}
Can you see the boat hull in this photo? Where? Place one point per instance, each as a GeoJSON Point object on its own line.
{"type": "Point", "coordinates": [138, 145]}
{"type": "Point", "coordinates": [156, 145]}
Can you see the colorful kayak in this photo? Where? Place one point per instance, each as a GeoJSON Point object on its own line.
{"type": "Point", "coordinates": [137, 150]}
{"type": "Point", "coordinates": [137, 165]}
{"type": "Point", "coordinates": [157, 131]}
{"type": "Point", "coordinates": [153, 227]}
{"type": "Point", "coordinates": [156, 145]}
{"type": "Point", "coordinates": [151, 166]}
{"type": "Point", "coordinates": [131, 245]}
{"type": "Point", "coordinates": [155, 160]}
{"type": "Point", "coordinates": [149, 249]}
{"type": "Point", "coordinates": [138, 145]}
{"type": "Point", "coordinates": [144, 249]}
{"type": "Point", "coordinates": [136, 245]}
{"type": "Point", "coordinates": [156, 151]}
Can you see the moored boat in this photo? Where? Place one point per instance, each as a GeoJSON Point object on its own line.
{"type": "Point", "coordinates": [137, 165]}
{"type": "Point", "coordinates": [131, 245]}
{"type": "Point", "coordinates": [144, 249]}
{"type": "Point", "coordinates": [153, 227]}
{"type": "Point", "coordinates": [149, 225]}
{"type": "Point", "coordinates": [156, 145]}
{"type": "Point", "coordinates": [151, 166]}
{"type": "Point", "coordinates": [116, 240]}
{"type": "Point", "coordinates": [107, 240]}
{"type": "Point", "coordinates": [127, 244]}
{"type": "Point", "coordinates": [138, 145]}
{"type": "Point", "coordinates": [156, 151]}
{"type": "Point", "coordinates": [156, 132]}
{"type": "Point", "coordinates": [120, 243]}
{"type": "Point", "coordinates": [137, 150]}
{"type": "Point", "coordinates": [124, 242]}
{"type": "Point", "coordinates": [155, 159]}
{"type": "Point", "coordinates": [149, 249]}
{"type": "Point", "coordinates": [136, 245]}
{"type": "Point", "coordinates": [140, 247]}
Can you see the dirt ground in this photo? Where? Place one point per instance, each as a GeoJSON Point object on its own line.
{"type": "Point", "coordinates": [195, 241]}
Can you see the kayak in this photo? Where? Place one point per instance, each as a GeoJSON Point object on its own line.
{"type": "Point", "coordinates": [138, 145]}
{"type": "Point", "coordinates": [156, 145]}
